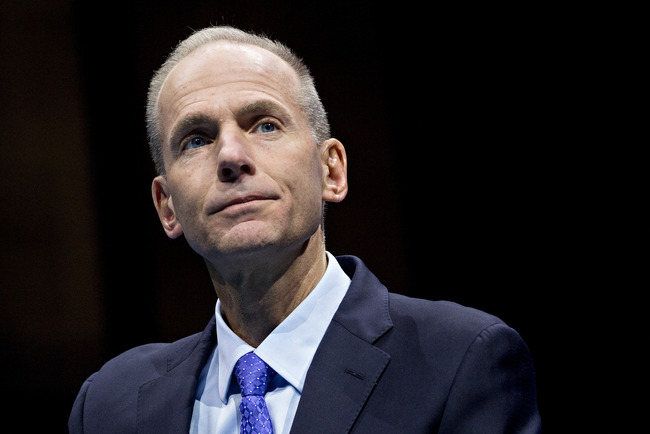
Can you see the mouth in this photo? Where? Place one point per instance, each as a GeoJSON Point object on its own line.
{"type": "Point", "coordinates": [240, 202]}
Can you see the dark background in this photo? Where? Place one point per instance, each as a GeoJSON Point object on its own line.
{"type": "Point", "coordinates": [461, 185]}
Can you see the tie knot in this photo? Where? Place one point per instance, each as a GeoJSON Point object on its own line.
{"type": "Point", "coordinates": [253, 375]}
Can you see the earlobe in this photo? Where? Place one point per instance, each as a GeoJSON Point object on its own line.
{"type": "Point", "coordinates": [164, 205]}
{"type": "Point", "coordinates": [335, 166]}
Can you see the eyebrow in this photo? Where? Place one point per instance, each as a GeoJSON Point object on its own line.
{"type": "Point", "coordinates": [187, 124]}
{"type": "Point", "coordinates": [191, 121]}
{"type": "Point", "coordinates": [263, 106]}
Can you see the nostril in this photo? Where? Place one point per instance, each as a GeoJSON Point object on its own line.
{"type": "Point", "coordinates": [232, 172]}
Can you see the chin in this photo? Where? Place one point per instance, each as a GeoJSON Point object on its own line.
{"type": "Point", "coordinates": [237, 244]}
{"type": "Point", "coordinates": [250, 239]}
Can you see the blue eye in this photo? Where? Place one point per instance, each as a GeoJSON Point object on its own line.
{"type": "Point", "coordinates": [267, 127]}
{"type": "Point", "coordinates": [195, 142]}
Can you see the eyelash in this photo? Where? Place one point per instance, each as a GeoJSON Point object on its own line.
{"type": "Point", "coordinates": [267, 120]}
{"type": "Point", "coordinates": [186, 143]}
{"type": "Point", "coordinates": [265, 123]}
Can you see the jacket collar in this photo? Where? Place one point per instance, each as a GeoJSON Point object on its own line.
{"type": "Point", "coordinates": [347, 366]}
{"type": "Point", "coordinates": [165, 404]}
{"type": "Point", "coordinates": [364, 310]}
{"type": "Point", "coordinates": [343, 373]}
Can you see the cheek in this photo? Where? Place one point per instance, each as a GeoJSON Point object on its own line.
{"type": "Point", "coordinates": [186, 197]}
{"type": "Point", "coordinates": [308, 185]}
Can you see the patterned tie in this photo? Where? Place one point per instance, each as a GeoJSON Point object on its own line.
{"type": "Point", "coordinates": [254, 376]}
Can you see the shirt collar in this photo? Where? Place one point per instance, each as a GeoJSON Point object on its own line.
{"type": "Point", "coordinates": [291, 346]}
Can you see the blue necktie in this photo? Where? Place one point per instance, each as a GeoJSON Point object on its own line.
{"type": "Point", "coordinates": [254, 376]}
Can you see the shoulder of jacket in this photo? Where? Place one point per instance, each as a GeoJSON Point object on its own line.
{"type": "Point", "coordinates": [440, 317]}
{"type": "Point", "coordinates": [146, 361]}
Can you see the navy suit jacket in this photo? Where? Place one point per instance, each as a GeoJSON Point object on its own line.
{"type": "Point", "coordinates": [387, 364]}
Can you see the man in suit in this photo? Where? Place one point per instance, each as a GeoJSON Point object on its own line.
{"type": "Point", "coordinates": [301, 341]}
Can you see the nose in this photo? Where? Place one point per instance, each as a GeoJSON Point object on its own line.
{"type": "Point", "coordinates": [233, 159]}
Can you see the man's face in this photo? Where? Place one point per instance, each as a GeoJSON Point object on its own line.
{"type": "Point", "coordinates": [242, 170]}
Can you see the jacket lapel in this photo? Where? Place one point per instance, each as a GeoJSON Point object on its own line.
{"type": "Point", "coordinates": [165, 404]}
{"type": "Point", "coordinates": [346, 366]}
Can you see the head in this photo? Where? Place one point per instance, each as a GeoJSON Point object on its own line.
{"type": "Point", "coordinates": [307, 97]}
{"type": "Point", "coordinates": [241, 143]}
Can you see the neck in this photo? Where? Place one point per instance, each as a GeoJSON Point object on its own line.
{"type": "Point", "coordinates": [258, 293]}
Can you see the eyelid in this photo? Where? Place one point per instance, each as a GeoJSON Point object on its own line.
{"type": "Point", "coordinates": [260, 120]}
{"type": "Point", "coordinates": [182, 145]}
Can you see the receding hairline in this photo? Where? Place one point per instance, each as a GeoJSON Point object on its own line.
{"type": "Point", "coordinates": [256, 105]}
{"type": "Point", "coordinates": [306, 97]}
{"type": "Point", "coordinates": [288, 68]}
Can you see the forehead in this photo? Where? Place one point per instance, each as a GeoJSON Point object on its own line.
{"type": "Point", "coordinates": [227, 56]}
{"type": "Point", "coordinates": [226, 66]}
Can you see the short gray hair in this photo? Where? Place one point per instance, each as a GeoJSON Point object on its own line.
{"type": "Point", "coordinates": [307, 98]}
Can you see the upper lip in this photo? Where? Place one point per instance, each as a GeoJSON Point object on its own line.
{"type": "Point", "coordinates": [240, 199]}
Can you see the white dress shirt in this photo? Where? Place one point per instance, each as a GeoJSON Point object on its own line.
{"type": "Point", "coordinates": [289, 350]}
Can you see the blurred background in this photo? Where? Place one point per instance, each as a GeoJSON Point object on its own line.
{"type": "Point", "coordinates": [457, 191]}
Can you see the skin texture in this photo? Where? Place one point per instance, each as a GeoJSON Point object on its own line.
{"type": "Point", "coordinates": [245, 183]}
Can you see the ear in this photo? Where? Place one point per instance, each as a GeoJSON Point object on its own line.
{"type": "Point", "coordinates": [165, 207]}
{"type": "Point", "coordinates": [335, 171]}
